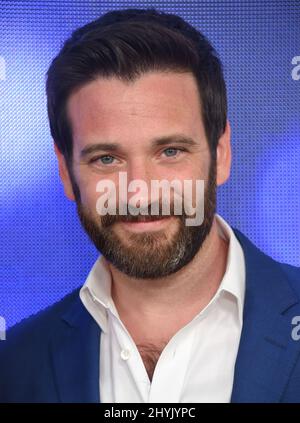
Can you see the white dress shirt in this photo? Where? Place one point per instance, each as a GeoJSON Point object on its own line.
{"type": "Point", "coordinates": [197, 364]}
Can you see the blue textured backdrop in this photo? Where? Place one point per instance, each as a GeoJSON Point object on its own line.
{"type": "Point", "coordinates": [45, 254]}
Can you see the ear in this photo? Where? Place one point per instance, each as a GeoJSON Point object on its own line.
{"type": "Point", "coordinates": [224, 156]}
{"type": "Point", "coordinates": [64, 174]}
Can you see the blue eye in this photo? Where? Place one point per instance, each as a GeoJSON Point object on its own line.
{"type": "Point", "coordinates": [106, 159]}
{"type": "Point", "coordinates": [171, 152]}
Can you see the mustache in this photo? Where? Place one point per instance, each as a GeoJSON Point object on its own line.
{"type": "Point", "coordinates": [135, 215]}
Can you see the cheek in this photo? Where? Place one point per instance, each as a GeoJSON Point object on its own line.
{"type": "Point", "coordinates": [88, 190]}
{"type": "Point", "coordinates": [192, 178]}
{"type": "Point", "coordinates": [89, 197]}
{"type": "Point", "coordinates": [96, 190]}
{"type": "Point", "coordinates": [188, 171]}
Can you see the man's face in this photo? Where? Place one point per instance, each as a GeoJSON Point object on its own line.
{"type": "Point", "coordinates": [141, 128]}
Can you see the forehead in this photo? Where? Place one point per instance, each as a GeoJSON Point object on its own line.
{"type": "Point", "coordinates": [155, 102]}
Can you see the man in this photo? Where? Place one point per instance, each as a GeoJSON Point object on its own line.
{"type": "Point", "coordinates": [170, 312]}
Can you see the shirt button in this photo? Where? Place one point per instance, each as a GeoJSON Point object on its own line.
{"type": "Point", "coordinates": [125, 354]}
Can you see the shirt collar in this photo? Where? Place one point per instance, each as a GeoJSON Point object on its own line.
{"type": "Point", "coordinates": [96, 290]}
{"type": "Point", "coordinates": [235, 274]}
{"type": "Point", "coordinates": [96, 293]}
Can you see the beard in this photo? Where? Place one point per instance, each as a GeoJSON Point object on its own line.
{"type": "Point", "coordinates": [150, 255]}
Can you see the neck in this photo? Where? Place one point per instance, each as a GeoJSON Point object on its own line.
{"type": "Point", "coordinates": [176, 298]}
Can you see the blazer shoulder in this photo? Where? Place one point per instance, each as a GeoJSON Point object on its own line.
{"type": "Point", "coordinates": [25, 364]}
{"type": "Point", "coordinates": [37, 327]}
{"type": "Point", "coordinates": [286, 274]}
{"type": "Point", "coordinates": [293, 275]}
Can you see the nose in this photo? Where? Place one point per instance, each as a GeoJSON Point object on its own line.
{"type": "Point", "coordinates": [140, 173]}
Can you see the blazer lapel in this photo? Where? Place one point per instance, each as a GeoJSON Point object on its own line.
{"type": "Point", "coordinates": [267, 352]}
{"type": "Point", "coordinates": [76, 353]}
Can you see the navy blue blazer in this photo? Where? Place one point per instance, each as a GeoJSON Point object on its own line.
{"type": "Point", "coordinates": [54, 355]}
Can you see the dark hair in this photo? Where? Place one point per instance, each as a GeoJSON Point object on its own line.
{"type": "Point", "coordinates": [126, 44]}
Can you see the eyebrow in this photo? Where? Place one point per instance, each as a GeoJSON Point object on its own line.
{"type": "Point", "coordinates": [156, 142]}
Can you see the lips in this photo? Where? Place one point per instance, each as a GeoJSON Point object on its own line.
{"type": "Point", "coordinates": [146, 223]}
{"type": "Point", "coordinates": [145, 218]}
